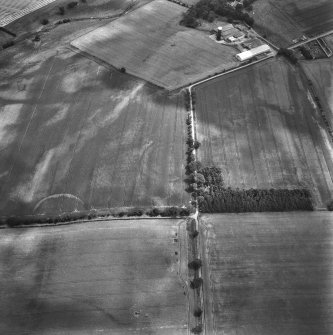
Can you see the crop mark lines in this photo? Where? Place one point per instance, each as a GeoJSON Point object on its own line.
{"type": "Point", "coordinates": [158, 152]}
{"type": "Point", "coordinates": [278, 170]}
{"type": "Point", "coordinates": [261, 164]}
{"type": "Point", "coordinates": [223, 145]}
{"type": "Point", "coordinates": [283, 95]}
{"type": "Point", "coordinates": [252, 180]}
{"type": "Point", "coordinates": [325, 175]}
{"type": "Point", "coordinates": [240, 176]}
{"type": "Point", "coordinates": [309, 149]}
{"type": "Point", "coordinates": [263, 144]}
{"type": "Point", "coordinates": [284, 154]}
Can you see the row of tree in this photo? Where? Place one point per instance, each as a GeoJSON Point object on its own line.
{"type": "Point", "coordinates": [15, 221]}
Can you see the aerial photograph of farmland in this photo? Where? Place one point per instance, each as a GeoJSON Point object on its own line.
{"type": "Point", "coordinates": [166, 167]}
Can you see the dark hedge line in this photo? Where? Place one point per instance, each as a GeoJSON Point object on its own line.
{"type": "Point", "coordinates": [15, 221]}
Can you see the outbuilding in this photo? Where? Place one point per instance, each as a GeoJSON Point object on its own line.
{"type": "Point", "coordinates": [248, 54]}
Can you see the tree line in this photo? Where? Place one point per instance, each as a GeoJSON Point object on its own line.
{"type": "Point", "coordinates": [209, 9]}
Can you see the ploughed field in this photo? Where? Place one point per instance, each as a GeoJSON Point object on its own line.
{"type": "Point", "coordinates": [260, 126]}
{"type": "Point", "coordinates": [14, 9]}
{"type": "Point", "coordinates": [283, 21]}
{"type": "Point", "coordinates": [320, 72]}
{"type": "Point", "coordinates": [269, 273]}
{"type": "Point", "coordinates": [160, 50]}
{"type": "Point", "coordinates": [111, 277]}
{"type": "Point", "coordinates": [87, 137]}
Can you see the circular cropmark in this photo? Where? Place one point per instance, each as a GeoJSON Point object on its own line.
{"type": "Point", "coordinates": [59, 203]}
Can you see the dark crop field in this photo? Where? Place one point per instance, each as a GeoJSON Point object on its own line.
{"type": "Point", "coordinates": [117, 277]}
{"type": "Point", "coordinates": [259, 125]}
{"type": "Point", "coordinates": [314, 17]}
{"type": "Point", "coordinates": [77, 135]}
{"type": "Point", "coordinates": [282, 21]}
{"type": "Point", "coordinates": [269, 274]}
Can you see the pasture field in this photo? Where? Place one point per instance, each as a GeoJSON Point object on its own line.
{"type": "Point", "coordinates": [320, 72]}
{"type": "Point", "coordinates": [111, 277]}
{"type": "Point", "coordinates": [160, 51]}
{"type": "Point", "coordinates": [260, 126]}
{"type": "Point", "coordinates": [76, 135]}
{"type": "Point", "coordinates": [268, 273]}
{"type": "Point", "coordinates": [285, 20]}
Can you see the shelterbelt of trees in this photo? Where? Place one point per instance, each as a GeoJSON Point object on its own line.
{"type": "Point", "coordinates": [213, 196]}
{"type": "Point", "coordinates": [209, 9]}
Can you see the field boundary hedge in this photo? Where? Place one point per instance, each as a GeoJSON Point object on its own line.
{"type": "Point", "coordinates": [95, 215]}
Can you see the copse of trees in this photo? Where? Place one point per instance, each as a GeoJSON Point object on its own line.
{"type": "Point", "coordinates": [289, 54]}
{"type": "Point", "coordinates": [208, 9]}
{"type": "Point", "coordinates": [229, 200]}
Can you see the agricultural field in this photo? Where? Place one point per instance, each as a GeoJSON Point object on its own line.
{"type": "Point", "coordinates": [320, 72]}
{"type": "Point", "coordinates": [76, 135]}
{"type": "Point", "coordinates": [89, 13]}
{"type": "Point", "coordinates": [285, 20]}
{"type": "Point", "coordinates": [111, 277]}
{"type": "Point", "coordinates": [261, 127]}
{"type": "Point", "coordinates": [159, 51]}
{"type": "Point", "coordinates": [268, 273]}
{"type": "Point", "coordinates": [11, 10]}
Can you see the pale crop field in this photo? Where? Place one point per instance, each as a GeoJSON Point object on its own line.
{"type": "Point", "coordinates": [268, 273]}
{"type": "Point", "coordinates": [260, 126]}
{"type": "Point", "coordinates": [116, 277]}
{"type": "Point", "coordinates": [160, 50]}
{"type": "Point", "coordinates": [76, 135]}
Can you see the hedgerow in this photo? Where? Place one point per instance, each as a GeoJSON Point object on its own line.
{"type": "Point", "coordinates": [15, 221]}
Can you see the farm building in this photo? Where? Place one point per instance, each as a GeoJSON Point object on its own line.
{"type": "Point", "coordinates": [246, 55]}
{"type": "Point", "coordinates": [229, 32]}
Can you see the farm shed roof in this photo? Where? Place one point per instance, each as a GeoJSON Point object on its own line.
{"type": "Point", "coordinates": [253, 52]}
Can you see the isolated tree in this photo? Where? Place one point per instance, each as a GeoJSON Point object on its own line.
{"type": "Point", "coordinates": [196, 283]}
{"type": "Point", "coordinates": [195, 264]}
{"type": "Point", "coordinates": [196, 144]}
{"type": "Point", "coordinates": [195, 234]}
{"type": "Point", "coordinates": [197, 329]}
{"type": "Point", "coordinates": [61, 10]}
{"type": "Point", "coordinates": [197, 312]}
